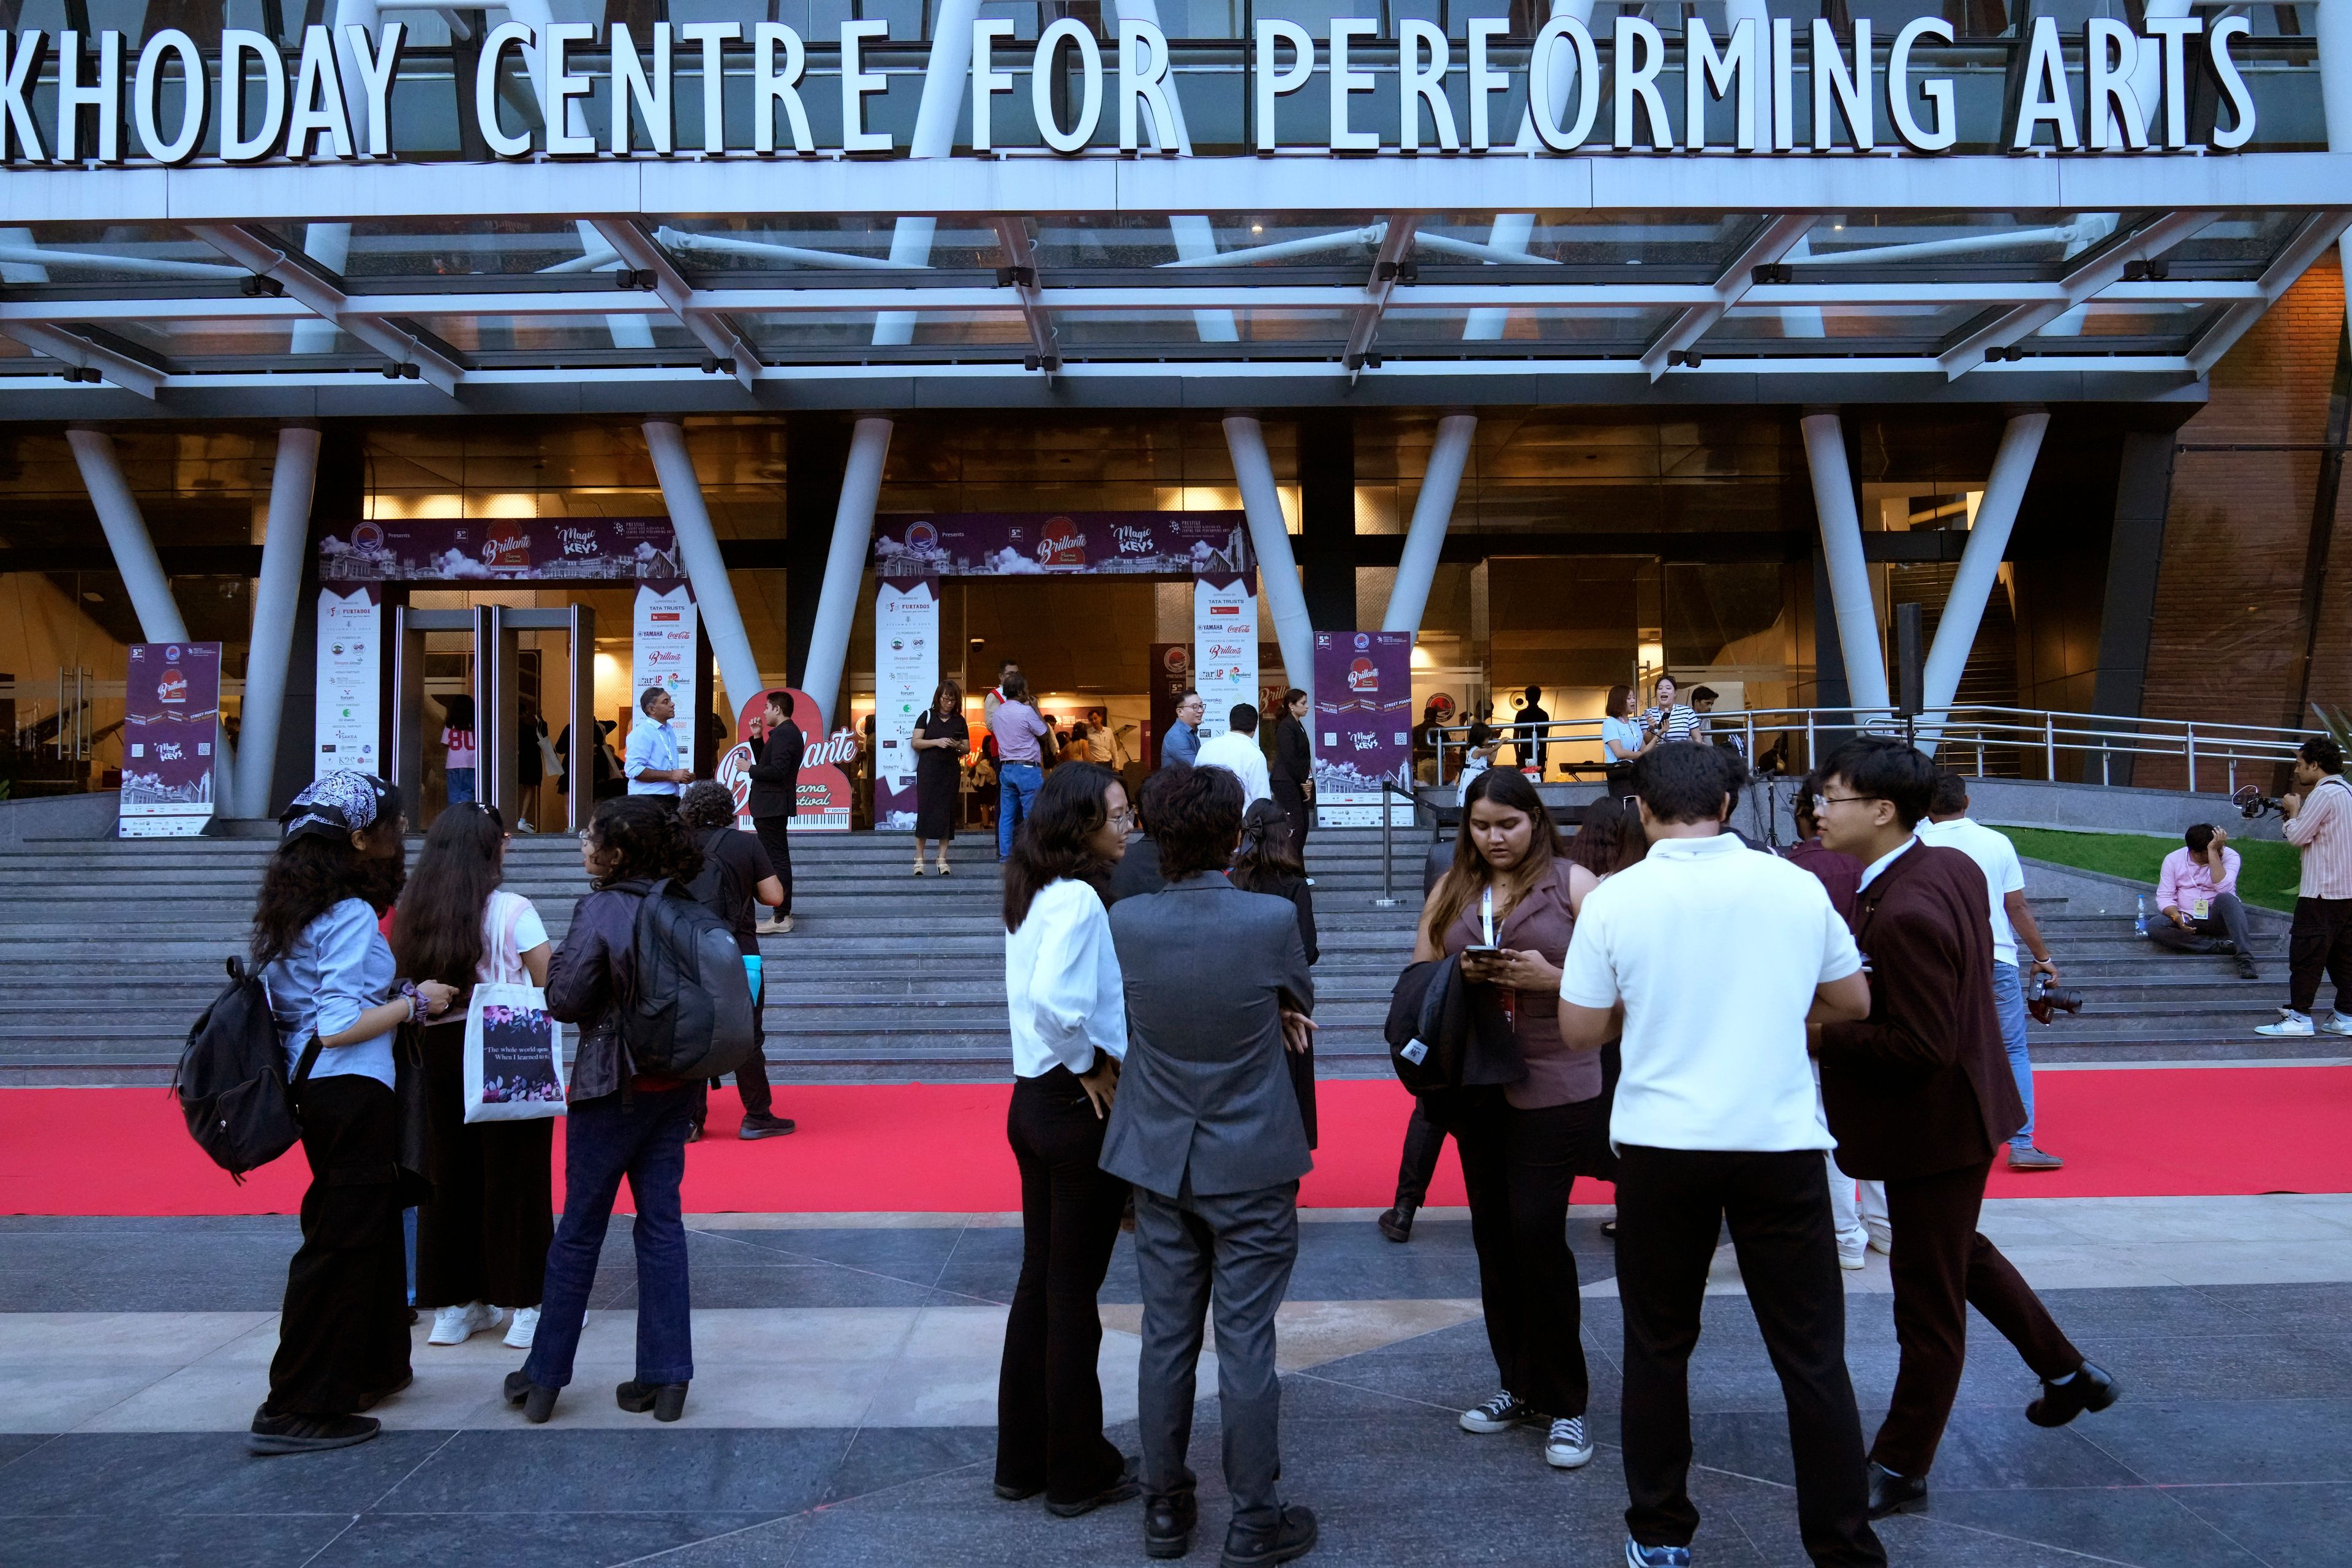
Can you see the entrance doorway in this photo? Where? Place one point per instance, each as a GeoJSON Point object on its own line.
{"type": "Point", "coordinates": [478, 653]}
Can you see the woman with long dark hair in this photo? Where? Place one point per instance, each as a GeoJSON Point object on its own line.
{"type": "Point", "coordinates": [941, 737]}
{"type": "Point", "coordinates": [1069, 1034]}
{"type": "Point", "coordinates": [342, 1333]}
{"type": "Point", "coordinates": [481, 1237]}
{"type": "Point", "coordinates": [621, 1123]}
{"type": "Point", "coordinates": [1599, 845]}
{"type": "Point", "coordinates": [1512, 898]}
{"type": "Point", "coordinates": [1291, 771]}
{"type": "Point", "coordinates": [1267, 862]}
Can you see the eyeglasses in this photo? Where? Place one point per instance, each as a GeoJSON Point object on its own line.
{"type": "Point", "coordinates": [1123, 817]}
{"type": "Point", "coordinates": [1824, 802]}
{"type": "Point", "coordinates": [587, 839]}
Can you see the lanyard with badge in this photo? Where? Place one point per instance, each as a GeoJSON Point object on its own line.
{"type": "Point", "coordinates": [1487, 934]}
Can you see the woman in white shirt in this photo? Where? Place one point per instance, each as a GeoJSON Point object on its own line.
{"type": "Point", "coordinates": [1069, 1035]}
{"type": "Point", "coordinates": [482, 1237]}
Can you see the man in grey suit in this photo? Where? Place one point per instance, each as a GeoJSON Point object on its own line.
{"type": "Point", "coordinates": [1207, 1128]}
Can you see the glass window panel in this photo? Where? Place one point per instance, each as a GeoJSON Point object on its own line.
{"type": "Point", "coordinates": [830, 331]}
{"type": "Point", "coordinates": [1701, 245]}
{"type": "Point", "coordinates": [1622, 328]}
{"type": "Point", "coordinates": [727, 251]}
{"type": "Point", "coordinates": [2124, 327]}
{"type": "Point", "coordinates": [1957, 246]}
{"type": "Point", "coordinates": [2237, 245]}
{"type": "Point", "coordinates": [378, 253]}
{"type": "Point", "coordinates": [1146, 331]}
{"type": "Point", "coordinates": [77, 255]}
{"type": "Point", "coordinates": [1838, 329]}
{"type": "Point", "coordinates": [1344, 240]}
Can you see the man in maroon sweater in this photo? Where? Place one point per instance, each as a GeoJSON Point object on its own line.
{"type": "Point", "coordinates": [1920, 1096]}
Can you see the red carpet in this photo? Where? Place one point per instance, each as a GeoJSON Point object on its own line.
{"type": "Point", "coordinates": [941, 1147]}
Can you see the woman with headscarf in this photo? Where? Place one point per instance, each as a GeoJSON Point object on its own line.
{"type": "Point", "coordinates": [343, 1332]}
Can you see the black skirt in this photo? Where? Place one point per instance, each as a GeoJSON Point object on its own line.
{"type": "Point", "coordinates": [483, 1233]}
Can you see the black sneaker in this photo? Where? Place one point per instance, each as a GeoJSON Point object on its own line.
{"type": "Point", "coordinates": [758, 1124]}
{"type": "Point", "coordinates": [1293, 1536]}
{"type": "Point", "coordinates": [1122, 1487]}
{"type": "Point", "coordinates": [1397, 1223]}
{"type": "Point", "coordinates": [292, 1434]}
{"type": "Point", "coordinates": [1500, 1414]}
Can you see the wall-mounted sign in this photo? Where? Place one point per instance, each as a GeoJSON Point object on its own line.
{"type": "Point", "coordinates": [245, 97]}
{"type": "Point", "coordinates": [458, 550]}
{"type": "Point", "coordinates": [171, 725]}
{"type": "Point", "coordinates": [1054, 544]}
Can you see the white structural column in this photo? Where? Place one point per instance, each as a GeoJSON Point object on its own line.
{"type": "Point", "coordinates": [706, 568]}
{"type": "Point", "coordinates": [1857, 616]}
{"type": "Point", "coordinates": [1277, 569]}
{"type": "Point", "coordinates": [844, 564]}
{"type": "Point", "coordinates": [1432, 511]}
{"type": "Point", "coordinates": [2335, 98]}
{"type": "Point", "coordinates": [1955, 633]}
{"type": "Point", "coordinates": [274, 604]}
{"type": "Point", "coordinates": [945, 75]}
{"type": "Point", "coordinates": [135, 559]}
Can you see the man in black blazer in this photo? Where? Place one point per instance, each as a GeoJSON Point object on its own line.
{"type": "Point", "coordinates": [775, 772]}
{"type": "Point", "coordinates": [1920, 1097]}
{"type": "Point", "coordinates": [1206, 1126]}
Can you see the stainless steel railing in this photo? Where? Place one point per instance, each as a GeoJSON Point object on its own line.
{"type": "Point", "coordinates": [2211, 755]}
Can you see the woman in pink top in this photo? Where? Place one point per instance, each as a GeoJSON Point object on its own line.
{"type": "Point", "coordinates": [458, 742]}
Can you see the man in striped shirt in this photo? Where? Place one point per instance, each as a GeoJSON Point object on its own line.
{"type": "Point", "coordinates": [2318, 813]}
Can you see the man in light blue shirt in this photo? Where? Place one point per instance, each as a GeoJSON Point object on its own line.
{"type": "Point", "coordinates": [1182, 744]}
{"type": "Point", "coordinates": [653, 759]}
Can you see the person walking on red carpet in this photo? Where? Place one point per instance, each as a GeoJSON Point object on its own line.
{"type": "Point", "coordinates": [1920, 1097]}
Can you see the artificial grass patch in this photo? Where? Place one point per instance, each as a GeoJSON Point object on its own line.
{"type": "Point", "coordinates": [2268, 873]}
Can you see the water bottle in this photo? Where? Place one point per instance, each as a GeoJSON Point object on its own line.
{"type": "Point", "coordinates": [2140, 925]}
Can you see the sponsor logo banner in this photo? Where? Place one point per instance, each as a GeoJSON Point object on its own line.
{"type": "Point", "coordinates": [171, 725]}
{"type": "Point", "coordinates": [1364, 724]}
{"type": "Point", "coordinates": [1041, 543]}
{"type": "Point", "coordinates": [500, 549]}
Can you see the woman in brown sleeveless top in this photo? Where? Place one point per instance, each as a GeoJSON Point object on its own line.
{"type": "Point", "coordinates": [1523, 1146]}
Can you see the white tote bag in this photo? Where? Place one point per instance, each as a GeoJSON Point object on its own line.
{"type": "Point", "coordinates": [514, 1056]}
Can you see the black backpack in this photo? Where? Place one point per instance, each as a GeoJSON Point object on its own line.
{"type": "Point", "coordinates": [232, 1080]}
{"type": "Point", "coordinates": [690, 1012]}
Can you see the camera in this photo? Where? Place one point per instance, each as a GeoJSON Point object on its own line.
{"type": "Point", "coordinates": [2045, 1001]}
{"type": "Point", "coordinates": [2253, 803]}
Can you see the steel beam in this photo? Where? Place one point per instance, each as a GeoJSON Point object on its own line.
{"type": "Point", "coordinates": [1021, 256]}
{"type": "Point", "coordinates": [633, 245]}
{"type": "Point", "coordinates": [72, 348]}
{"type": "Point", "coordinates": [2103, 270]}
{"type": "Point", "coordinates": [1394, 247]}
{"type": "Point", "coordinates": [326, 299]}
{"type": "Point", "coordinates": [1777, 239]}
{"type": "Point", "coordinates": [2309, 244]}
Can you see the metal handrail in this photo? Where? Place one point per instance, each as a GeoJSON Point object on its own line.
{"type": "Point", "coordinates": [1387, 900]}
{"type": "Point", "coordinates": [1959, 730]}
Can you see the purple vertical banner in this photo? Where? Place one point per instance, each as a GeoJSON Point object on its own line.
{"type": "Point", "coordinates": [1363, 723]}
{"type": "Point", "coordinates": [171, 725]}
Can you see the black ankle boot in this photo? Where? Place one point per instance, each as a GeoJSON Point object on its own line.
{"type": "Point", "coordinates": [538, 1403]}
{"type": "Point", "coordinates": [666, 1400]}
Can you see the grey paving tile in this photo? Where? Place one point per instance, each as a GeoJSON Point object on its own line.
{"type": "Point", "coordinates": [2264, 1363]}
{"type": "Point", "coordinates": [14, 1445]}
{"type": "Point", "coordinates": [2287, 1526]}
{"type": "Point", "coordinates": [780, 1285]}
{"type": "Point", "coordinates": [524, 1539]}
{"type": "Point", "coordinates": [2134, 1525]}
{"type": "Point", "coordinates": [145, 1271]}
{"type": "Point", "coordinates": [885, 1457]}
{"type": "Point", "coordinates": [2214, 1441]}
{"type": "Point", "coordinates": [688, 1470]}
{"type": "Point", "coordinates": [80, 1541]}
{"type": "Point", "coordinates": [148, 1474]}
{"type": "Point", "coordinates": [916, 1256]}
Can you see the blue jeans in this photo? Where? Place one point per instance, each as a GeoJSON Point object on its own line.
{"type": "Point", "coordinates": [645, 1140]}
{"type": "Point", "coordinates": [1017, 784]}
{"type": "Point", "coordinates": [461, 785]}
{"type": "Point", "coordinates": [2009, 1001]}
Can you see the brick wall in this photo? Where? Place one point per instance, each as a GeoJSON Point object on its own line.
{"type": "Point", "coordinates": [2227, 633]}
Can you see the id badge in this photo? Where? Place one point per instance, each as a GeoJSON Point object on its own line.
{"type": "Point", "coordinates": [2200, 907]}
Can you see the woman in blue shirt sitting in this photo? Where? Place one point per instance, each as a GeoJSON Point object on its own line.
{"type": "Point", "coordinates": [342, 1335]}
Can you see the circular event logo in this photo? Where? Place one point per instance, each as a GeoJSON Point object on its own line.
{"type": "Point", "coordinates": [1363, 641]}
{"type": "Point", "coordinates": [1177, 659]}
{"type": "Point", "coordinates": [1441, 705]}
{"type": "Point", "coordinates": [922, 536]}
{"type": "Point", "coordinates": [367, 536]}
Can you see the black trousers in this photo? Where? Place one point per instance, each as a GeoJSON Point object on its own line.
{"type": "Point", "coordinates": [776, 838]}
{"type": "Point", "coordinates": [2228, 920]}
{"type": "Point", "coordinates": [1518, 1166]}
{"type": "Point", "coordinates": [1049, 1409]}
{"type": "Point", "coordinates": [1949, 1269]}
{"type": "Point", "coordinates": [2320, 941]}
{"type": "Point", "coordinates": [342, 1333]}
{"type": "Point", "coordinates": [1424, 1140]}
{"type": "Point", "coordinates": [483, 1233]}
{"type": "Point", "coordinates": [1671, 1204]}
{"type": "Point", "coordinates": [1292, 799]}
{"type": "Point", "coordinates": [752, 1078]}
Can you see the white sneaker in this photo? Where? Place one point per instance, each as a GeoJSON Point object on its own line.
{"type": "Point", "coordinates": [1852, 1258]}
{"type": "Point", "coordinates": [1568, 1447]}
{"type": "Point", "coordinates": [522, 1327]}
{"type": "Point", "coordinates": [2290, 1022]}
{"type": "Point", "coordinates": [2337, 1023]}
{"type": "Point", "coordinates": [456, 1325]}
{"type": "Point", "coordinates": [1882, 1241]}
{"type": "Point", "coordinates": [522, 827]}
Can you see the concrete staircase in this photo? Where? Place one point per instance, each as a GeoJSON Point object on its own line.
{"type": "Point", "coordinates": [108, 950]}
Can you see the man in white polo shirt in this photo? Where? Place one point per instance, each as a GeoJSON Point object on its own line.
{"type": "Point", "coordinates": [1715, 1120]}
